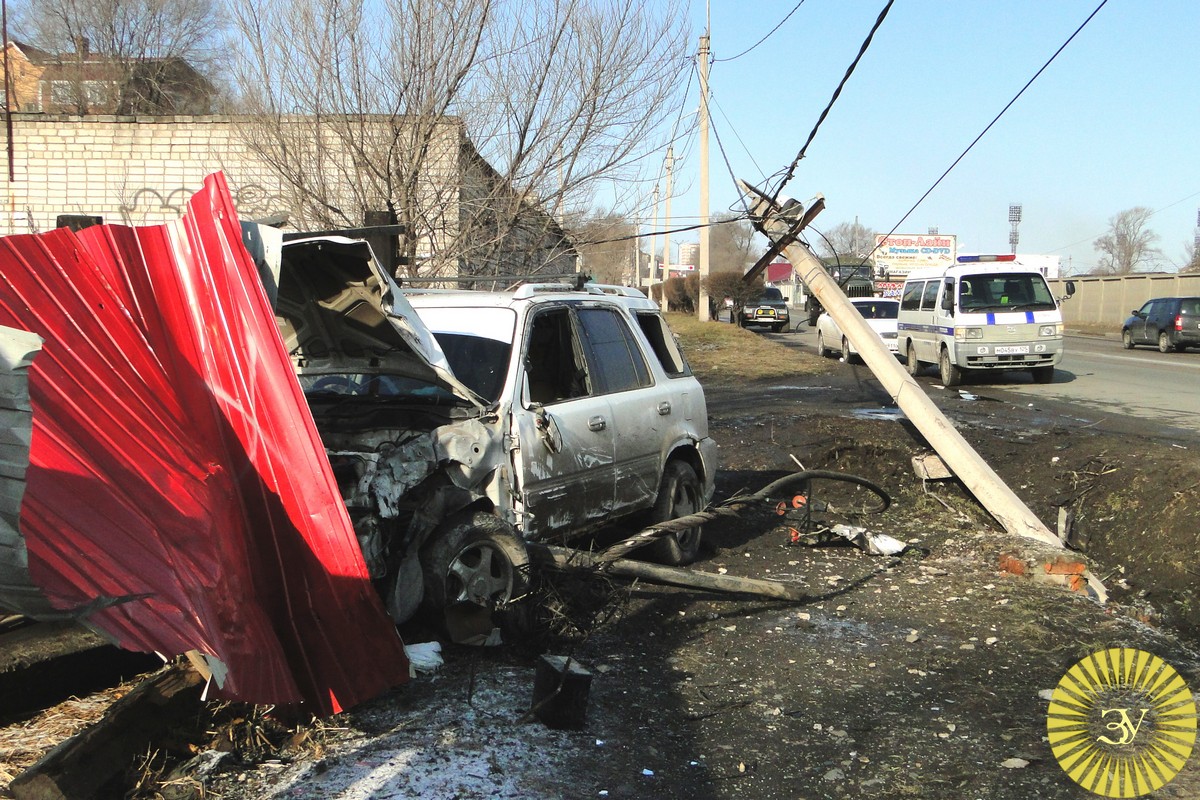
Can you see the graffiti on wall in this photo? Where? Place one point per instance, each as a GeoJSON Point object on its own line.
{"type": "Point", "coordinates": [148, 205]}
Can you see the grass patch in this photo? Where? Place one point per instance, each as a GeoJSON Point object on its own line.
{"type": "Point", "coordinates": [727, 352]}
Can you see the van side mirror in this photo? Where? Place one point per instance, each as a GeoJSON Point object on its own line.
{"type": "Point", "coordinates": [1070, 288]}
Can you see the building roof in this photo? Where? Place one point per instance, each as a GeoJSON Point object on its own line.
{"type": "Point", "coordinates": [778, 272]}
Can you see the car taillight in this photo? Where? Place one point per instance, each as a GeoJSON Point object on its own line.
{"type": "Point", "coordinates": [1178, 322]}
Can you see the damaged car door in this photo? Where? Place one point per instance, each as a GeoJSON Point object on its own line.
{"type": "Point", "coordinates": [565, 429]}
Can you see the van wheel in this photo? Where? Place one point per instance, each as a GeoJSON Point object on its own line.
{"type": "Point", "coordinates": [910, 361]}
{"type": "Point", "coordinates": [1043, 374]}
{"type": "Point", "coordinates": [951, 374]}
{"type": "Point", "coordinates": [1126, 339]}
{"type": "Point", "coordinates": [679, 494]}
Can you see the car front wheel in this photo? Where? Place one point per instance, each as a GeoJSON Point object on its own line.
{"type": "Point", "coordinates": [679, 494]}
{"type": "Point", "coordinates": [910, 362]}
{"type": "Point", "coordinates": [476, 569]}
{"type": "Point", "coordinates": [822, 351]}
{"type": "Point", "coordinates": [1127, 339]}
{"type": "Point", "coordinates": [951, 375]}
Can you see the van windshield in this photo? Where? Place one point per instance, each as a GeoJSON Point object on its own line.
{"type": "Point", "coordinates": [1012, 291]}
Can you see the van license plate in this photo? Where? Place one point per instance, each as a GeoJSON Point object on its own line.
{"type": "Point", "coordinates": [1012, 351]}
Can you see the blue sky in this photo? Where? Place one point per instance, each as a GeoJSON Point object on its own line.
{"type": "Point", "coordinates": [1113, 123]}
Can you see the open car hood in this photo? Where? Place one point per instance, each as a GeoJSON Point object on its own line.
{"type": "Point", "coordinates": [339, 313]}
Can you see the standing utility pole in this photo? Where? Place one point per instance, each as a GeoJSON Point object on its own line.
{"type": "Point", "coordinates": [653, 270]}
{"type": "Point", "coordinates": [667, 229]}
{"type": "Point", "coordinates": [703, 267]}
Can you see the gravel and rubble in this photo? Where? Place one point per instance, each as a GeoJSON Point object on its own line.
{"type": "Point", "coordinates": [925, 674]}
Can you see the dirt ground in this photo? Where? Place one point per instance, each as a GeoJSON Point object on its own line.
{"type": "Point", "coordinates": [921, 675]}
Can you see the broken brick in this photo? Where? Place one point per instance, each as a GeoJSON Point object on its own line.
{"type": "Point", "coordinates": [1011, 565]}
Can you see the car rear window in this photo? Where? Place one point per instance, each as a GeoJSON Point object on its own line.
{"type": "Point", "coordinates": [1190, 306]}
{"type": "Point", "coordinates": [878, 310]}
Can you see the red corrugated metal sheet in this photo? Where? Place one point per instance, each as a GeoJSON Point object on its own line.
{"type": "Point", "coordinates": [177, 485]}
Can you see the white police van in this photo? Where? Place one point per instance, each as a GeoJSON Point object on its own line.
{"type": "Point", "coordinates": [980, 316]}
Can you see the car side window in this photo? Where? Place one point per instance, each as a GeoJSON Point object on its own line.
{"type": "Point", "coordinates": [663, 343]}
{"type": "Point", "coordinates": [929, 297]}
{"type": "Point", "coordinates": [617, 361]}
{"type": "Point", "coordinates": [554, 361]}
{"type": "Point", "coordinates": [911, 301]}
{"type": "Point", "coordinates": [1146, 309]}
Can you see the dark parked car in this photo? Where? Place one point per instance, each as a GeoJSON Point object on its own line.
{"type": "Point", "coordinates": [1171, 323]}
{"type": "Point", "coordinates": [769, 309]}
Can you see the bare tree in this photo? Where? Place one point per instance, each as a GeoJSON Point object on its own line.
{"type": "Point", "coordinates": [605, 243]}
{"type": "Point", "coordinates": [1191, 257]}
{"type": "Point", "coordinates": [373, 105]}
{"type": "Point", "coordinates": [128, 56]}
{"type": "Point", "coordinates": [847, 243]}
{"type": "Point", "coordinates": [1128, 243]}
{"type": "Point", "coordinates": [733, 244]}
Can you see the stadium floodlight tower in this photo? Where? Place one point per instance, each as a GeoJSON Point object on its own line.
{"type": "Point", "coordinates": [1014, 219]}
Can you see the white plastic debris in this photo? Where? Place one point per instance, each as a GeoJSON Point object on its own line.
{"type": "Point", "coordinates": [423, 657]}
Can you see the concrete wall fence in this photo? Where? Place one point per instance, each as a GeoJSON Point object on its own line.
{"type": "Point", "coordinates": [1107, 300]}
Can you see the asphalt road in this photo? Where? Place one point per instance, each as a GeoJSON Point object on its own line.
{"type": "Point", "coordinates": [1097, 378]}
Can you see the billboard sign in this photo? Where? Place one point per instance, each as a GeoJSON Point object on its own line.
{"type": "Point", "coordinates": [900, 253]}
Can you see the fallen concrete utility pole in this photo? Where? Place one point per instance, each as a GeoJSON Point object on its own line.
{"type": "Point", "coordinates": [566, 558]}
{"type": "Point", "coordinates": [967, 465]}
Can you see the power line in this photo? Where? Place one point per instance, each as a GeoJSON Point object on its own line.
{"type": "Point", "coordinates": [836, 92]}
{"type": "Point", "coordinates": [994, 121]}
{"type": "Point", "coordinates": [763, 39]}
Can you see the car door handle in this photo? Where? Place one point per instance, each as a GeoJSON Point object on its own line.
{"type": "Point", "coordinates": [597, 424]}
{"type": "Point", "coordinates": [664, 408]}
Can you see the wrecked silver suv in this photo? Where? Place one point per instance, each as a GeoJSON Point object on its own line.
{"type": "Point", "coordinates": [461, 424]}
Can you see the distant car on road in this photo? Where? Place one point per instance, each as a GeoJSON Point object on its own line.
{"type": "Point", "coordinates": [1171, 323]}
{"type": "Point", "coordinates": [769, 309]}
{"type": "Point", "coordinates": [880, 314]}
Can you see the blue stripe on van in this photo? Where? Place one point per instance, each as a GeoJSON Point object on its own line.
{"type": "Point", "coordinates": [910, 326]}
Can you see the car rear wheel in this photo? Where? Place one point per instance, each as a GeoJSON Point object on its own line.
{"type": "Point", "coordinates": [1127, 339]}
{"type": "Point", "coordinates": [1164, 344]}
{"type": "Point", "coordinates": [679, 494]}
{"type": "Point", "coordinates": [910, 361]}
{"type": "Point", "coordinates": [951, 375]}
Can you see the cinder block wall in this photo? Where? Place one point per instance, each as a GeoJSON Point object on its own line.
{"type": "Point", "coordinates": [131, 170]}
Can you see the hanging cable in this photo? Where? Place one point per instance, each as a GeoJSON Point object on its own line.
{"type": "Point", "coordinates": [990, 124]}
{"type": "Point", "coordinates": [849, 71]}
{"type": "Point", "coordinates": [763, 39]}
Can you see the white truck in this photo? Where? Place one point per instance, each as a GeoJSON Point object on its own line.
{"type": "Point", "coordinates": [980, 314]}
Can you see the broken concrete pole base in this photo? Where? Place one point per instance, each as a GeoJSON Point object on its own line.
{"type": "Point", "coordinates": [560, 692]}
{"type": "Point", "coordinates": [1067, 571]}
